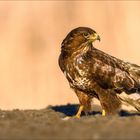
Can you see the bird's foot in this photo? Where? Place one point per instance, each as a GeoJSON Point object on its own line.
{"type": "Point", "coordinates": [77, 116]}
{"type": "Point", "coordinates": [103, 113]}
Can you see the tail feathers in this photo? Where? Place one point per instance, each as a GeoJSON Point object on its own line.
{"type": "Point", "coordinates": [128, 100]}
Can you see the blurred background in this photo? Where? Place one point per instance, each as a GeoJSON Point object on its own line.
{"type": "Point", "coordinates": [31, 33]}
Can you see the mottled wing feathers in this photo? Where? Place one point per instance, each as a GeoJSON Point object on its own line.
{"type": "Point", "coordinates": [110, 72]}
{"type": "Point", "coordinates": [134, 71]}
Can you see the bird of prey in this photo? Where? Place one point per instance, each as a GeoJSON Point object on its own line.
{"type": "Point", "coordinates": [93, 73]}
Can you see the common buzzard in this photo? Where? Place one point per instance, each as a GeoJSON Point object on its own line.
{"type": "Point", "coordinates": [93, 73]}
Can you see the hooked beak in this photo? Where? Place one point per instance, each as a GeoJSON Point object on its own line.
{"type": "Point", "coordinates": [94, 37]}
{"type": "Point", "coordinates": [98, 38]}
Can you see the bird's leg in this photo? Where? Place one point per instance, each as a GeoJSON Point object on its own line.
{"type": "Point", "coordinates": [78, 114]}
{"type": "Point", "coordinates": [85, 102]}
{"type": "Point", "coordinates": [109, 102]}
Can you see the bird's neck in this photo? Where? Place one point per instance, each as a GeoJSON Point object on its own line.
{"type": "Point", "coordinates": [76, 47]}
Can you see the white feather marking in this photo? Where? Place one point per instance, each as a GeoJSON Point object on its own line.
{"type": "Point", "coordinates": [134, 96]}
{"type": "Point", "coordinates": [65, 73]}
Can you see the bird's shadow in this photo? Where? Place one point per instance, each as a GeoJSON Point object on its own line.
{"type": "Point", "coordinates": [68, 110]}
{"type": "Point", "coordinates": [71, 110]}
{"type": "Point", "coordinates": [125, 113]}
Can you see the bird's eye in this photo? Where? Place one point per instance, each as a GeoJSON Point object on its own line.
{"type": "Point", "coordinates": [85, 34]}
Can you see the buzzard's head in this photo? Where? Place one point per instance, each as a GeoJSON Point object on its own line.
{"type": "Point", "coordinates": [79, 36]}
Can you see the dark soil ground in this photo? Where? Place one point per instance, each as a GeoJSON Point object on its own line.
{"type": "Point", "coordinates": [48, 124]}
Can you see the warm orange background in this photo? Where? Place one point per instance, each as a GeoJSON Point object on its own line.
{"type": "Point", "coordinates": [30, 36]}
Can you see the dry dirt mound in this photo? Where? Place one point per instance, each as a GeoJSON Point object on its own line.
{"type": "Point", "coordinates": [48, 124]}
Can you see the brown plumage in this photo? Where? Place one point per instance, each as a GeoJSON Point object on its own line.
{"type": "Point", "coordinates": [93, 73]}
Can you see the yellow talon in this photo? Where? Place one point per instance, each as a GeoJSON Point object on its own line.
{"type": "Point", "coordinates": [77, 116]}
{"type": "Point", "coordinates": [103, 113]}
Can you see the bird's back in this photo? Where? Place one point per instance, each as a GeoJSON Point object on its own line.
{"type": "Point", "coordinates": [111, 72]}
